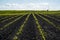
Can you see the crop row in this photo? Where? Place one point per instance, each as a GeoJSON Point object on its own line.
{"type": "Point", "coordinates": [30, 27]}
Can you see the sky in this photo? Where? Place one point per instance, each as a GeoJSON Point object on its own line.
{"type": "Point", "coordinates": [29, 4]}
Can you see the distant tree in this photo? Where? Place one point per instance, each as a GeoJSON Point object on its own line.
{"type": "Point", "coordinates": [47, 10]}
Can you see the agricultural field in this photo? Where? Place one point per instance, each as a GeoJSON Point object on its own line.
{"type": "Point", "coordinates": [29, 25]}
